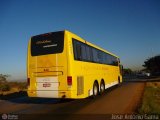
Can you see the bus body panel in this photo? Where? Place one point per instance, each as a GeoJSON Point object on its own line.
{"type": "Point", "coordinates": [49, 73]}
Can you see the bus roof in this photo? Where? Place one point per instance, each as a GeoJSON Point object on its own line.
{"type": "Point", "coordinates": [82, 40]}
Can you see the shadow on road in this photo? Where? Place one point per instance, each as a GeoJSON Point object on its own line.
{"type": "Point", "coordinates": [21, 97]}
{"type": "Point", "coordinates": [76, 105]}
{"type": "Point", "coordinates": [13, 95]}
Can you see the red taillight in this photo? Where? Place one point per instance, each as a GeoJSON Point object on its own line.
{"type": "Point", "coordinates": [69, 80]}
{"type": "Point", "coordinates": [28, 81]}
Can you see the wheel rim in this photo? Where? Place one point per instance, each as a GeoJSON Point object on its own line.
{"type": "Point", "coordinates": [95, 90]}
{"type": "Point", "coordinates": [102, 87]}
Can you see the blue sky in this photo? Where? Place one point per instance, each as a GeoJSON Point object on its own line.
{"type": "Point", "coordinates": [128, 28]}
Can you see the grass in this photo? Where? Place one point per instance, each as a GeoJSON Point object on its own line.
{"type": "Point", "coordinates": [151, 99]}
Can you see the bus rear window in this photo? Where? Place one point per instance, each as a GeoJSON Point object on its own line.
{"type": "Point", "coordinates": [50, 43]}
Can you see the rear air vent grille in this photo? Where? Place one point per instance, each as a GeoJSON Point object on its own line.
{"type": "Point", "coordinates": [80, 85]}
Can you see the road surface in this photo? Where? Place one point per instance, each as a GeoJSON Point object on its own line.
{"type": "Point", "coordinates": [120, 99]}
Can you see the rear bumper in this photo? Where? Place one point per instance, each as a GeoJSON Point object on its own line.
{"type": "Point", "coordinates": [49, 94]}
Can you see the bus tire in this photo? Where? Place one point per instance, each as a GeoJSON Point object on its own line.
{"type": "Point", "coordinates": [95, 89]}
{"type": "Point", "coordinates": [102, 86]}
{"type": "Point", "coordinates": [119, 80]}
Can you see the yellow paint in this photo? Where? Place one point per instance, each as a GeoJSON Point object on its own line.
{"type": "Point", "coordinates": [63, 64]}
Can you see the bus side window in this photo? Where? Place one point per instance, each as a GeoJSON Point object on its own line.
{"type": "Point", "coordinates": [115, 61]}
{"type": "Point", "coordinates": [100, 56]}
{"type": "Point", "coordinates": [83, 52]}
{"type": "Point", "coordinates": [95, 55]}
{"type": "Point", "coordinates": [103, 58]}
{"type": "Point", "coordinates": [108, 59]}
{"type": "Point", "coordinates": [78, 52]}
{"type": "Point", "coordinates": [88, 53]}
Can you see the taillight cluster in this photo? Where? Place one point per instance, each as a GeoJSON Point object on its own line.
{"type": "Point", "coordinates": [69, 80]}
{"type": "Point", "coordinates": [28, 81]}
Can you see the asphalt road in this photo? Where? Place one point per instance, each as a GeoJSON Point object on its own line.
{"type": "Point", "coordinates": [120, 99]}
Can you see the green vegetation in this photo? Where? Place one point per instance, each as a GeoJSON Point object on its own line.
{"type": "Point", "coordinates": [4, 87]}
{"type": "Point", "coordinates": [3, 83]}
{"type": "Point", "coordinates": [3, 78]}
{"type": "Point", "coordinates": [127, 71]}
{"type": "Point", "coordinates": [21, 86]}
{"type": "Point", "coordinates": [151, 99]}
{"type": "Point", "coordinates": [153, 65]}
{"type": "Point", "coordinates": [10, 87]}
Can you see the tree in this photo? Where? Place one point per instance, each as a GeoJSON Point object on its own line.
{"type": "Point", "coordinates": [127, 71]}
{"type": "Point", "coordinates": [3, 78]}
{"type": "Point", "coordinates": [4, 86]}
{"type": "Point", "coordinates": [153, 64]}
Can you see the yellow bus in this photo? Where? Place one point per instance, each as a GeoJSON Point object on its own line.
{"type": "Point", "coordinates": [63, 65]}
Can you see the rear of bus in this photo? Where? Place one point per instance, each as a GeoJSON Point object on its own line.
{"type": "Point", "coordinates": [47, 66]}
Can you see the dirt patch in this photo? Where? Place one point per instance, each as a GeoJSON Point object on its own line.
{"type": "Point", "coordinates": [136, 100]}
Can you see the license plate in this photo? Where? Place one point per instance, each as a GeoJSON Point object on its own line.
{"type": "Point", "coordinates": [46, 85]}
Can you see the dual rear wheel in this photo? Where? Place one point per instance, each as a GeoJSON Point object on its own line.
{"type": "Point", "coordinates": [96, 89]}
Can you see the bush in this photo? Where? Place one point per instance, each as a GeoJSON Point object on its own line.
{"type": "Point", "coordinates": [22, 86]}
{"type": "Point", "coordinates": [4, 87]}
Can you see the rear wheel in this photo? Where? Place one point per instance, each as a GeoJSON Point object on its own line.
{"type": "Point", "coordinates": [102, 87]}
{"type": "Point", "coordinates": [95, 89]}
{"type": "Point", "coordinates": [119, 80]}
